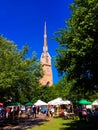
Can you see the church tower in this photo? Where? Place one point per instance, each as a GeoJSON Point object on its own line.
{"type": "Point", "coordinates": [46, 63]}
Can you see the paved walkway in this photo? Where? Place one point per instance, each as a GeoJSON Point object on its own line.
{"type": "Point", "coordinates": [24, 123]}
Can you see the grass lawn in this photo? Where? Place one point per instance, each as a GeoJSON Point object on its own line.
{"type": "Point", "coordinates": [61, 124]}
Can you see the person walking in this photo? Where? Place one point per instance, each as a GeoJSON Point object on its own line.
{"type": "Point", "coordinates": [34, 111]}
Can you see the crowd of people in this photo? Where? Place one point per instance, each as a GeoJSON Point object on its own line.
{"type": "Point", "coordinates": [86, 114]}
{"type": "Point", "coordinates": [13, 112]}
{"type": "Point", "coordinates": [82, 112]}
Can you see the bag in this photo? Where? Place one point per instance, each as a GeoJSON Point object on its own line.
{"type": "Point", "coordinates": [84, 113]}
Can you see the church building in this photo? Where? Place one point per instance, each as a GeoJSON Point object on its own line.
{"type": "Point", "coordinates": [45, 60]}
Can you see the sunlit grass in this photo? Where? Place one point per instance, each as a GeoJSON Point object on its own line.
{"type": "Point", "coordinates": [53, 124]}
{"type": "Point", "coordinates": [61, 124]}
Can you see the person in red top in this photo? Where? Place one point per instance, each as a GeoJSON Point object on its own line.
{"type": "Point", "coordinates": [7, 112]}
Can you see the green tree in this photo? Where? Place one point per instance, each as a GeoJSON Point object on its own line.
{"type": "Point", "coordinates": [44, 93]}
{"type": "Point", "coordinates": [78, 52]}
{"type": "Point", "coordinates": [18, 75]}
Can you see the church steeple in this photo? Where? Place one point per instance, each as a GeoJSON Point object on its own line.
{"type": "Point", "coordinates": [46, 62]}
{"type": "Point", "coordinates": [45, 57]}
{"type": "Point", "coordinates": [45, 47]}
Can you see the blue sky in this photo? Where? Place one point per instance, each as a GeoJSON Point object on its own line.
{"type": "Point", "coordinates": [22, 21]}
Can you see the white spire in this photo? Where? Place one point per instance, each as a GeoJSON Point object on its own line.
{"type": "Point", "coordinates": [45, 47]}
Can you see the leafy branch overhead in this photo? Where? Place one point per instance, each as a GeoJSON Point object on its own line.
{"type": "Point", "coordinates": [78, 47]}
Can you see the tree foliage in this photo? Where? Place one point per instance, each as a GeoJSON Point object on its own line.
{"type": "Point", "coordinates": [78, 52]}
{"type": "Point", "coordinates": [19, 75]}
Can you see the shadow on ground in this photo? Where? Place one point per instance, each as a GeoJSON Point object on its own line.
{"type": "Point", "coordinates": [21, 123]}
{"type": "Point", "coordinates": [79, 125]}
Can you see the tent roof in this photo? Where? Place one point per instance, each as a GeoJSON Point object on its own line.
{"type": "Point", "coordinates": [59, 101]}
{"type": "Point", "coordinates": [29, 104]}
{"type": "Point", "coordinates": [55, 101]}
{"type": "Point", "coordinates": [95, 102]}
{"type": "Point", "coordinates": [40, 103]}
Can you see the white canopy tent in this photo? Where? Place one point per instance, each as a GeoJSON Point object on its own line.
{"type": "Point", "coordinates": [40, 103]}
{"type": "Point", "coordinates": [95, 103]}
{"type": "Point", "coordinates": [65, 102]}
{"type": "Point", "coordinates": [55, 101]}
{"type": "Point", "coordinates": [59, 101]}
